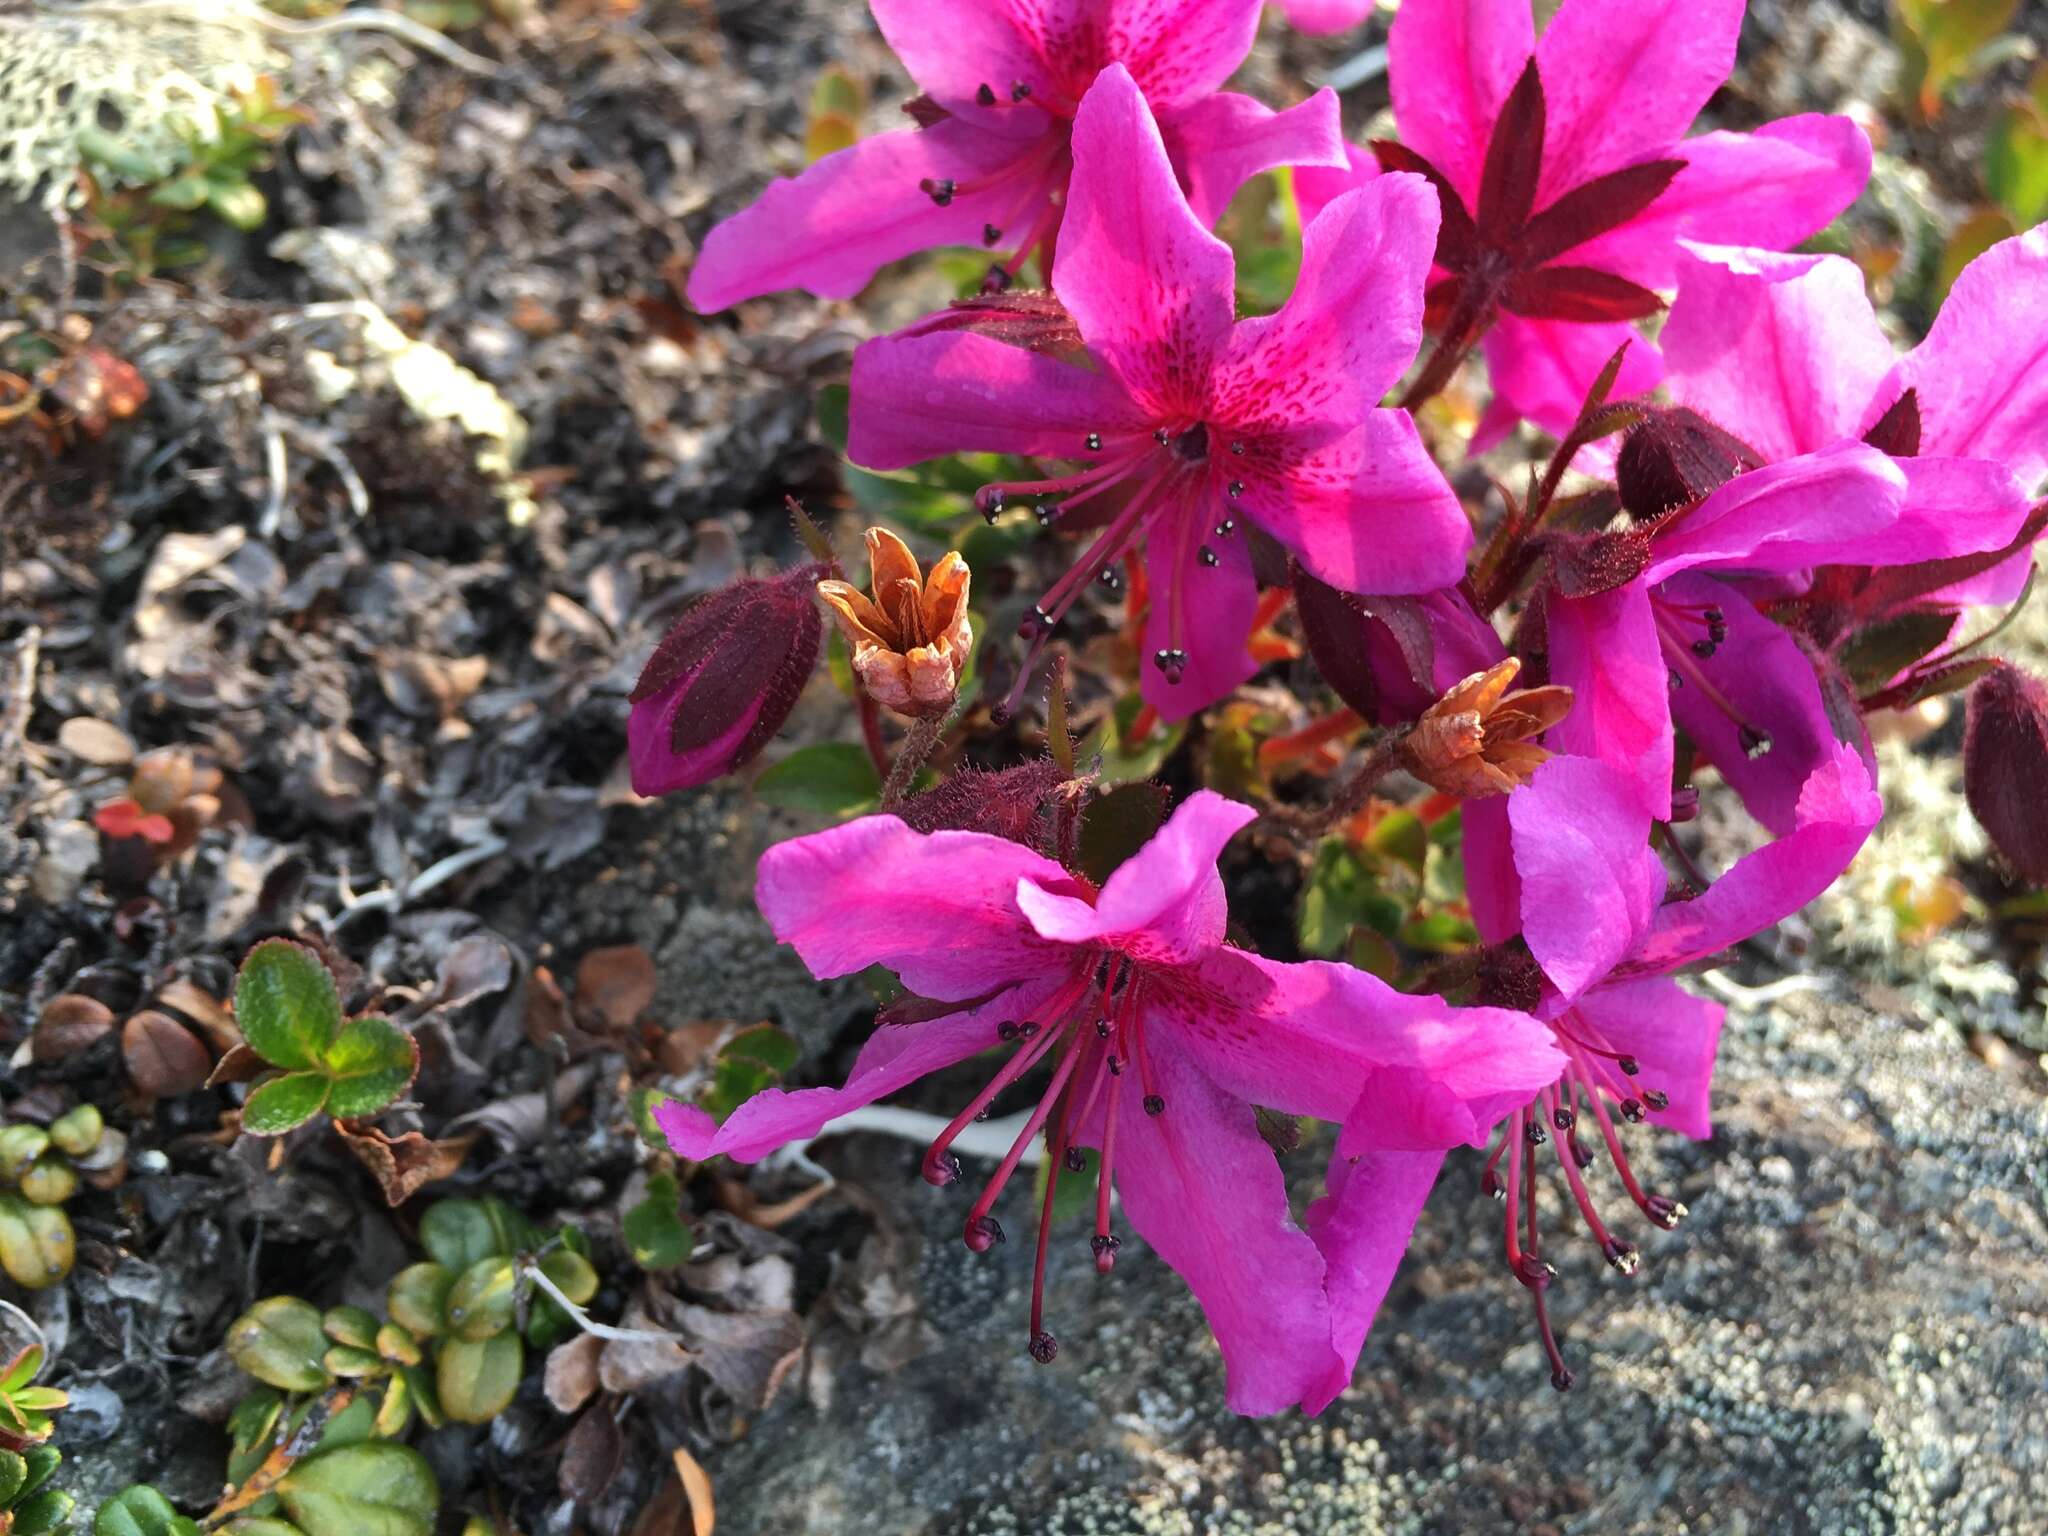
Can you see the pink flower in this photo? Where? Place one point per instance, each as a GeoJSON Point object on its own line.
{"type": "Point", "coordinates": [989, 161]}
{"type": "Point", "coordinates": [1567, 182]}
{"type": "Point", "coordinates": [1566, 864]}
{"type": "Point", "coordinates": [1191, 419]}
{"type": "Point", "coordinates": [1159, 1038]}
{"type": "Point", "coordinates": [1318, 17]}
{"type": "Point", "coordinates": [1786, 353]}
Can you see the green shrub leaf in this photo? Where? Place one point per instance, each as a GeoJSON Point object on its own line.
{"type": "Point", "coordinates": [654, 1228]}
{"type": "Point", "coordinates": [141, 1511]}
{"type": "Point", "coordinates": [373, 1489]}
{"type": "Point", "coordinates": [286, 1004]}
{"type": "Point", "coordinates": [475, 1380]}
{"type": "Point", "coordinates": [279, 1341]}
{"type": "Point", "coordinates": [372, 1061]}
{"type": "Point", "coordinates": [284, 1103]}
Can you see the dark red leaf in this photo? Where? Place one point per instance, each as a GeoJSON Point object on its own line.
{"type": "Point", "coordinates": [1587, 566]}
{"type": "Point", "coordinates": [2005, 763]}
{"type": "Point", "coordinates": [1514, 160]}
{"type": "Point", "coordinates": [1672, 458]}
{"type": "Point", "coordinates": [1897, 431]}
{"type": "Point", "coordinates": [1583, 294]}
{"type": "Point", "coordinates": [1378, 654]}
{"type": "Point", "coordinates": [1334, 628]}
{"type": "Point", "coordinates": [1892, 588]}
{"type": "Point", "coordinates": [1604, 203]}
{"type": "Point", "coordinates": [925, 112]}
{"type": "Point", "coordinates": [1032, 318]}
{"type": "Point", "coordinates": [1457, 239]}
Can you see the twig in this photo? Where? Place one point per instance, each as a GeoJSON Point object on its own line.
{"type": "Point", "coordinates": [1380, 760]}
{"type": "Point", "coordinates": [589, 1324]}
{"type": "Point", "coordinates": [301, 1442]}
{"type": "Point", "coordinates": [979, 1138]}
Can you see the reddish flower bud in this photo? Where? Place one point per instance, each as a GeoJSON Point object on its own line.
{"type": "Point", "coordinates": [1672, 459]}
{"type": "Point", "coordinates": [2005, 763]}
{"type": "Point", "coordinates": [723, 680]}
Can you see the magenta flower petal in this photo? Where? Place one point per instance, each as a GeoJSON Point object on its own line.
{"type": "Point", "coordinates": [1362, 1226]}
{"type": "Point", "coordinates": [1982, 373]}
{"type": "Point", "coordinates": [1754, 708]}
{"type": "Point", "coordinates": [1953, 507]}
{"type": "Point", "coordinates": [1354, 321]}
{"type": "Point", "coordinates": [1176, 50]}
{"type": "Point", "coordinates": [1153, 291]}
{"type": "Point", "coordinates": [1811, 510]}
{"type": "Point", "coordinates": [840, 897]}
{"type": "Point", "coordinates": [1366, 512]}
{"type": "Point", "coordinates": [832, 228]}
{"type": "Point", "coordinates": [1542, 369]}
{"type": "Point", "coordinates": [1203, 1188]}
{"type": "Point", "coordinates": [1771, 188]}
{"type": "Point", "coordinates": [1451, 65]}
{"type": "Point", "coordinates": [1590, 881]}
{"type": "Point", "coordinates": [952, 50]}
{"type": "Point", "coordinates": [1318, 186]}
{"type": "Point", "coordinates": [1835, 812]}
{"type": "Point", "coordinates": [1783, 351]}
{"type": "Point", "coordinates": [1319, 18]}
{"type": "Point", "coordinates": [1492, 888]}
{"type": "Point", "coordinates": [1671, 1034]}
{"type": "Point", "coordinates": [1222, 141]}
{"type": "Point", "coordinates": [895, 1056]}
{"type": "Point", "coordinates": [1212, 580]}
{"type": "Point", "coordinates": [1164, 903]}
{"type": "Point", "coordinates": [1623, 80]}
{"type": "Point", "coordinates": [922, 397]}
{"type": "Point", "coordinates": [1606, 649]}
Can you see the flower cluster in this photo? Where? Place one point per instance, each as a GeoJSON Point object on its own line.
{"type": "Point", "coordinates": [1753, 534]}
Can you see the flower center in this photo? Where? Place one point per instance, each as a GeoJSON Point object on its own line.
{"type": "Point", "coordinates": [1594, 1077]}
{"type": "Point", "coordinates": [1093, 1031]}
{"type": "Point", "coordinates": [1692, 633]}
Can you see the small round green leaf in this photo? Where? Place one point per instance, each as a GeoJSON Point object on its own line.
{"type": "Point", "coordinates": [42, 1513]}
{"type": "Point", "coordinates": [260, 1525]}
{"type": "Point", "coordinates": [285, 1103]}
{"type": "Point", "coordinates": [476, 1380]}
{"type": "Point", "coordinates": [239, 203]}
{"type": "Point", "coordinates": [459, 1232]}
{"type": "Point", "coordinates": [13, 1477]}
{"type": "Point", "coordinates": [480, 1302]}
{"type": "Point", "coordinates": [279, 1342]}
{"type": "Point", "coordinates": [36, 1243]}
{"type": "Point", "coordinates": [286, 1004]}
{"type": "Point", "coordinates": [372, 1061]}
{"type": "Point", "coordinates": [373, 1489]}
{"type": "Point", "coordinates": [141, 1511]}
{"type": "Point", "coordinates": [77, 1131]}
{"type": "Point", "coordinates": [21, 1145]}
{"type": "Point", "coordinates": [354, 1326]}
{"type": "Point", "coordinates": [341, 1360]}
{"type": "Point", "coordinates": [418, 1298]}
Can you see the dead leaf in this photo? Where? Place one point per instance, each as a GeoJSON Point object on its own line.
{"type": "Point", "coordinates": [239, 1065]}
{"type": "Point", "coordinates": [688, 1046]}
{"type": "Point", "coordinates": [69, 1023]}
{"type": "Point", "coordinates": [697, 1485]}
{"type": "Point", "coordinates": [571, 1375]}
{"type": "Point", "coordinates": [591, 1455]}
{"type": "Point", "coordinates": [96, 742]}
{"type": "Point", "coordinates": [164, 1058]}
{"type": "Point", "coordinates": [739, 1199]}
{"type": "Point", "coordinates": [203, 1011]}
{"type": "Point", "coordinates": [615, 986]}
{"type": "Point", "coordinates": [402, 1164]}
{"type": "Point", "coordinates": [683, 1507]}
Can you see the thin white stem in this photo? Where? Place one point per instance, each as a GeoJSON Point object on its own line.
{"type": "Point", "coordinates": [986, 1138]}
{"type": "Point", "coordinates": [591, 1325]}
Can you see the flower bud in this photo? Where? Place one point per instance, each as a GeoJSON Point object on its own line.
{"type": "Point", "coordinates": [1673, 458]}
{"type": "Point", "coordinates": [1477, 741]}
{"type": "Point", "coordinates": [723, 680]}
{"type": "Point", "coordinates": [2005, 763]}
{"type": "Point", "coordinates": [911, 639]}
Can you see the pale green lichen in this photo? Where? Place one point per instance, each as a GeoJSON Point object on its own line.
{"type": "Point", "coordinates": [126, 88]}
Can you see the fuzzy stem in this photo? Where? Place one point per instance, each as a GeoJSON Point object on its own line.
{"type": "Point", "coordinates": [1059, 739]}
{"type": "Point", "coordinates": [917, 746]}
{"type": "Point", "coordinates": [1380, 760]}
{"type": "Point", "coordinates": [1468, 322]}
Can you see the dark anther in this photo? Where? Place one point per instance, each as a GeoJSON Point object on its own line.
{"type": "Point", "coordinates": [1622, 1256]}
{"type": "Point", "coordinates": [1154, 1104]}
{"type": "Point", "coordinates": [1102, 1029]}
{"type": "Point", "coordinates": [1048, 513]}
{"type": "Point", "coordinates": [1632, 1111]}
{"type": "Point", "coordinates": [985, 94]}
{"type": "Point", "coordinates": [996, 279]}
{"type": "Point", "coordinates": [1656, 1098]}
{"type": "Point", "coordinates": [1019, 89]}
{"type": "Point", "coordinates": [1105, 1245]}
{"type": "Point", "coordinates": [1665, 1211]}
{"type": "Point", "coordinates": [1235, 488]}
{"type": "Point", "coordinates": [1490, 1185]}
{"type": "Point", "coordinates": [1116, 1067]}
{"type": "Point", "coordinates": [1237, 448]}
{"type": "Point", "coordinates": [1162, 436]}
{"type": "Point", "coordinates": [983, 1233]}
{"type": "Point", "coordinates": [1075, 1160]}
{"type": "Point", "coordinates": [1007, 1030]}
{"type": "Point", "coordinates": [941, 1171]}
{"type": "Point", "coordinates": [1535, 1134]}
{"type": "Point", "coordinates": [1755, 743]}
{"type": "Point", "coordinates": [1562, 1119]}
{"type": "Point", "coordinates": [940, 191]}
{"type": "Point", "coordinates": [1561, 1379]}
{"type": "Point", "coordinates": [1095, 442]}
{"type": "Point", "coordinates": [1044, 1347]}
{"type": "Point", "coordinates": [990, 234]}
{"type": "Point", "coordinates": [1171, 663]}
{"type": "Point", "coordinates": [1028, 1031]}
{"type": "Point", "coordinates": [1629, 1065]}
{"type": "Point", "coordinates": [990, 500]}
{"type": "Point", "coordinates": [1703, 648]}
{"type": "Point", "coordinates": [1226, 528]}
{"type": "Point", "coordinates": [1715, 618]}
{"type": "Point", "coordinates": [1676, 682]}
{"type": "Point", "coordinates": [1207, 555]}
{"type": "Point", "coordinates": [1581, 1155]}
{"type": "Point", "coordinates": [1035, 623]}
{"type": "Point", "coordinates": [1109, 578]}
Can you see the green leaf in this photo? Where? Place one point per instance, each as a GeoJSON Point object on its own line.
{"type": "Point", "coordinates": [260, 1525]}
{"type": "Point", "coordinates": [456, 1233]}
{"type": "Point", "coordinates": [239, 204]}
{"type": "Point", "coordinates": [284, 1103]}
{"type": "Point", "coordinates": [645, 1102]}
{"type": "Point", "coordinates": [832, 778]}
{"type": "Point", "coordinates": [141, 1511]}
{"type": "Point", "coordinates": [418, 1296]}
{"type": "Point", "coordinates": [571, 1274]}
{"type": "Point", "coordinates": [834, 408]}
{"type": "Point", "coordinates": [476, 1379]}
{"type": "Point", "coordinates": [372, 1061]}
{"type": "Point", "coordinates": [1122, 759]}
{"type": "Point", "coordinates": [43, 1461]}
{"type": "Point", "coordinates": [279, 1341]}
{"type": "Point", "coordinates": [654, 1229]}
{"type": "Point", "coordinates": [253, 1418]}
{"type": "Point", "coordinates": [480, 1302]}
{"type": "Point", "coordinates": [1117, 824]}
{"type": "Point", "coordinates": [766, 1044]}
{"type": "Point", "coordinates": [22, 1369]}
{"type": "Point", "coordinates": [13, 1477]}
{"type": "Point", "coordinates": [183, 192]}
{"type": "Point", "coordinates": [286, 1004]}
{"type": "Point", "coordinates": [36, 1243]}
{"type": "Point", "coordinates": [355, 1327]}
{"type": "Point", "coordinates": [77, 1131]}
{"type": "Point", "coordinates": [43, 1513]}
{"type": "Point", "coordinates": [373, 1489]}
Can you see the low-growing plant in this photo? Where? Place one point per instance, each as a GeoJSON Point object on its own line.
{"type": "Point", "coordinates": [42, 1167]}
{"type": "Point", "coordinates": [25, 1407]}
{"type": "Point", "coordinates": [28, 1505]}
{"type": "Point", "coordinates": [289, 1009]}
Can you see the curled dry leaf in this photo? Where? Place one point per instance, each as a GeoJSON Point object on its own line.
{"type": "Point", "coordinates": [241, 1064]}
{"type": "Point", "coordinates": [591, 1455]}
{"type": "Point", "coordinates": [615, 986]}
{"type": "Point", "coordinates": [164, 1058]}
{"type": "Point", "coordinates": [402, 1165]}
{"type": "Point", "coordinates": [203, 1011]}
{"type": "Point", "coordinates": [684, 1505]}
{"type": "Point", "coordinates": [98, 742]}
{"type": "Point", "coordinates": [69, 1023]}
{"type": "Point", "coordinates": [570, 1379]}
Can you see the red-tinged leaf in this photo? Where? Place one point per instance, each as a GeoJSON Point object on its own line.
{"type": "Point", "coordinates": [127, 818]}
{"type": "Point", "coordinates": [1897, 431]}
{"type": "Point", "coordinates": [1457, 238]}
{"type": "Point", "coordinates": [1604, 203]}
{"type": "Point", "coordinates": [1930, 683]}
{"type": "Point", "coordinates": [1888, 590]}
{"type": "Point", "coordinates": [1514, 160]}
{"type": "Point", "coordinates": [1585, 567]}
{"type": "Point", "coordinates": [2005, 763]}
{"type": "Point", "coordinates": [1583, 294]}
{"type": "Point", "coordinates": [1673, 458]}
